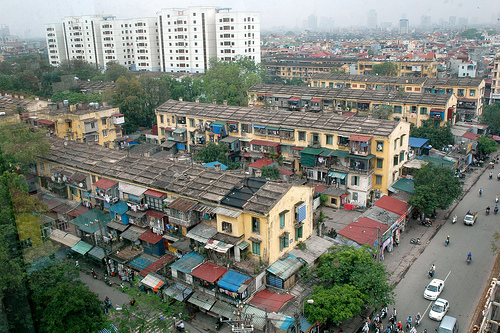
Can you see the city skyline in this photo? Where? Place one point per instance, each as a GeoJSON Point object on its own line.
{"type": "Point", "coordinates": [29, 16]}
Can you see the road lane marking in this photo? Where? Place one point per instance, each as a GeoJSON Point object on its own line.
{"type": "Point", "coordinates": [446, 278]}
{"type": "Point", "coordinates": [430, 303]}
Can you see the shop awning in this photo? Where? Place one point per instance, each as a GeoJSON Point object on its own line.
{"type": "Point", "coordinates": [82, 247]}
{"type": "Point", "coordinates": [97, 252]}
{"type": "Point", "coordinates": [64, 238]}
{"type": "Point", "coordinates": [180, 130]}
{"type": "Point", "coordinates": [294, 99]}
{"type": "Point", "coordinates": [153, 281]}
{"type": "Point", "coordinates": [224, 309]}
{"type": "Point", "coordinates": [316, 100]}
{"type": "Point", "coordinates": [243, 245]}
{"type": "Point", "coordinates": [202, 300]}
{"type": "Point", "coordinates": [361, 138]}
{"type": "Point", "coordinates": [178, 292]}
{"type": "Point", "coordinates": [334, 174]}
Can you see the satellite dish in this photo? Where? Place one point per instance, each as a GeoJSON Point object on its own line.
{"type": "Point", "coordinates": [80, 185]}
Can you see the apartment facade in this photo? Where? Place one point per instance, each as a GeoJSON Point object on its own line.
{"type": "Point", "coordinates": [177, 40]}
{"type": "Point", "coordinates": [269, 222]}
{"type": "Point", "coordinates": [495, 83]}
{"type": "Point", "coordinates": [83, 123]}
{"type": "Point", "coordinates": [469, 91]}
{"type": "Point", "coordinates": [357, 155]}
{"type": "Point", "coordinates": [416, 68]}
{"type": "Point", "coordinates": [410, 107]}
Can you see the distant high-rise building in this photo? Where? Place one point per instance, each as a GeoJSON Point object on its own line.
{"type": "Point", "coordinates": [312, 22]}
{"type": "Point", "coordinates": [452, 21]}
{"type": "Point", "coordinates": [462, 22]}
{"type": "Point", "coordinates": [372, 19]}
{"type": "Point", "coordinates": [425, 21]}
{"type": "Point", "coordinates": [177, 40]}
{"type": "Point", "coordinates": [404, 26]}
{"type": "Point", "coordinates": [326, 23]}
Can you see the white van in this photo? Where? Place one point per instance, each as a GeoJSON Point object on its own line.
{"type": "Point", "coordinates": [448, 325]}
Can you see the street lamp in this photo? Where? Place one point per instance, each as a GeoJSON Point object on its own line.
{"type": "Point", "coordinates": [309, 301]}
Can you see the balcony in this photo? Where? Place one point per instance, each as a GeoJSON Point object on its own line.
{"type": "Point", "coordinates": [118, 119]}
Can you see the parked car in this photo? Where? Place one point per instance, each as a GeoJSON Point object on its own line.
{"type": "Point", "coordinates": [434, 288]}
{"type": "Point", "coordinates": [439, 309]}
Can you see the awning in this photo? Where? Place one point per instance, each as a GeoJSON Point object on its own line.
{"type": "Point", "coordinates": [468, 100]}
{"type": "Point", "coordinates": [361, 138]}
{"type": "Point", "coordinates": [82, 247]}
{"type": "Point", "coordinates": [294, 99]}
{"type": "Point", "coordinates": [132, 233]}
{"type": "Point", "coordinates": [178, 292]}
{"type": "Point", "coordinates": [258, 126]}
{"type": "Point", "coordinates": [202, 300]}
{"type": "Point", "coordinates": [132, 189]}
{"type": "Point", "coordinates": [255, 239]}
{"type": "Point", "coordinates": [368, 157]}
{"type": "Point", "coordinates": [202, 233]}
{"type": "Point", "coordinates": [326, 152]}
{"type": "Point", "coordinates": [64, 238]}
{"type": "Point", "coordinates": [224, 309]}
{"type": "Point", "coordinates": [437, 110]}
{"type": "Point", "coordinates": [316, 100]}
{"type": "Point", "coordinates": [243, 245]}
{"type": "Point", "coordinates": [287, 130]}
{"type": "Point", "coordinates": [180, 130]}
{"type": "Point", "coordinates": [220, 123]}
{"type": "Point", "coordinates": [364, 102]}
{"type": "Point", "coordinates": [218, 246]}
{"type": "Point", "coordinates": [45, 122]}
{"type": "Point", "coordinates": [264, 143]}
{"type": "Point", "coordinates": [89, 120]}
{"type": "Point", "coordinates": [97, 252]}
{"type": "Point", "coordinates": [153, 281]}
{"type": "Point", "coordinates": [117, 226]}
{"type": "Point", "coordinates": [272, 128]}
{"type": "Point", "coordinates": [312, 151]}
{"type": "Point", "coordinates": [104, 183]}
{"type": "Point", "coordinates": [333, 174]}
{"type": "Point", "coordinates": [227, 212]}
{"type": "Point", "coordinates": [119, 208]}
{"type": "Point", "coordinates": [154, 193]}
{"type": "Point", "coordinates": [339, 153]}
{"type": "Point", "coordinates": [155, 213]}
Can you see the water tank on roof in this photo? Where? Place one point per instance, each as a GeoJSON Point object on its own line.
{"type": "Point", "coordinates": [65, 102]}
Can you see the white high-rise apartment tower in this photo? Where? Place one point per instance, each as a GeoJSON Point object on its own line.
{"type": "Point", "coordinates": [177, 40]}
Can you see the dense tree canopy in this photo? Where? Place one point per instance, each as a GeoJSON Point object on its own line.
{"type": "Point", "coordinates": [350, 279]}
{"type": "Point", "coordinates": [439, 136]}
{"type": "Point", "coordinates": [471, 33]}
{"type": "Point", "coordinates": [271, 172]}
{"type": "Point", "coordinates": [435, 188]}
{"type": "Point", "coordinates": [230, 80]}
{"type": "Point", "coordinates": [215, 152]}
{"type": "Point", "coordinates": [491, 117]}
{"type": "Point", "coordinates": [74, 97]}
{"type": "Point", "coordinates": [486, 145]}
{"type": "Point", "coordinates": [383, 111]}
{"type": "Point", "coordinates": [385, 68]}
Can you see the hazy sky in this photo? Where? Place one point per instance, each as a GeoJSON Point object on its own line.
{"type": "Point", "coordinates": [24, 15]}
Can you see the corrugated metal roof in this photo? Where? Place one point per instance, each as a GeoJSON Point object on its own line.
{"type": "Point", "coordinates": [131, 189]}
{"type": "Point", "coordinates": [284, 268]}
{"type": "Point", "coordinates": [233, 280]}
{"type": "Point", "coordinates": [202, 300]}
{"type": "Point", "coordinates": [202, 232]}
{"type": "Point", "coordinates": [187, 263]}
{"type": "Point", "coordinates": [227, 212]}
{"type": "Point", "coordinates": [82, 247]}
{"type": "Point", "coordinates": [182, 204]}
{"type": "Point", "coordinates": [224, 309]}
{"type": "Point", "coordinates": [209, 272]}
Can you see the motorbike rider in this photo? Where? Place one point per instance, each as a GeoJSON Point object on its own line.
{"type": "Point", "coordinates": [491, 174]}
{"type": "Point", "coordinates": [433, 268]}
{"type": "Point", "coordinates": [496, 199]}
{"type": "Point", "coordinates": [469, 256]}
{"type": "Point", "coordinates": [480, 192]}
{"type": "Point", "coordinates": [496, 209]}
{"type": "Point", "coordinates": [488, 210]}
{"type": "Point", "coordinates": [417, 318]}
{"type": "Point", "coordinates": [448, 239]}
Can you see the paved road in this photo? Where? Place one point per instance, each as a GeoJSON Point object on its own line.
{"type": "Point", "coordinates": [464, 283]}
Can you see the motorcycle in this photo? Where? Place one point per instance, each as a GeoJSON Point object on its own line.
{"type": "Point", "coordinates": [487, 211]}
{"type": "Point", "coordinates": [491, 175]}
{"type": "Point", "coordinates": [495, 210]}
{"type": "Point", "coordinates": [431, 273]}
{"type": "Point", "coordinates": [218, 324]}
{"type": "Point", "coordinates": [427, 222]}
{"type": "Point", "coordinates": [107, 281]}
{"type": "Point", "coordinates": [383, 314]}
{"type": "Point", "coordinates": [94, 274]}
{"type": "Point", "coordinates": [447, 242]}
{"type": "Point", "coordinates": [415, 241]}
{"type": "Point", "coordinates": [496, 199]}
{"type": "Point", "coordinates": [469, 259]}
{"type": "Point", "coordinates": [417, 320]}
{"type": "Point", "coordinates": [454, 220]}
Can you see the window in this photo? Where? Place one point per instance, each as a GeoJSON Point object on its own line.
{"type": "Point", "coordinates": [396, 159]}
{"type": "Point", "coordinates": [329, 139]}
{"type": "Point", "coordinates": [26, 243]}
{"type": "Point", "coordinates": [343, 141]}
{"type": "Point", "coordinates": [227, 227]}
{"type": "Point", "coordinates": [380, 146]}
{"type": "Point", "coordinates": [398, 109]}
{"type": "Point", "coordinates": [256, 248]}
{"type": "Point", "coordinates": [333, 201]}
{"type": "Point", "coordinates": [396, 143]}
{"type": "Point", "coordinates": [378, 179]}
{"type": "Point", "coordinates": [472, 92]}
{"type": "Point", "coordinates": [191, 122]}
{"type": "Point", "coordinates": [354, 180]}
{"type": "Point", "coordinates": [299, 232]}
{"type": "Point", "coordinates": [284, 240]}
{"type": "Point", "coordinates": [161, 118]}
{"type": "Point", "coordinates": [255, 225]}
{"type": "Point", "coordinates": [413, 109]}
{"type": "Point", "coordinates": [380, 163]}
{"type": "Point", "coordinates": [154, 202]}
{"type": "Point", "coordinates": [105, 133]}
{"type": "Point", "coordinates": [460, 93]}
{"type": "Point", "coordinates": [302, 136]}
{"type": "Point", "coordinates": [282, 220]}
{"type": "Point", "coordinates": [355, 196]}
{"type": "Point", "coordinates": [402, 156]}
{"type": "Point", "coordinates": [42, 166]}
{"type": "Point", "coordinates": [401, 140]}
{"type": "Point", "coordinates": [423, 110]}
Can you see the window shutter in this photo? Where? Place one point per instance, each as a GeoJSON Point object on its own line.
{"type": "Point", "coordinates": [302, 212]}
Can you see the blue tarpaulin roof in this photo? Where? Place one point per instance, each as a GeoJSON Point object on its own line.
{"type": "Point", "coordinates": [140, 263]}
{"type": "Point", "coordinates": [212, 165]}
{"type": "Point", "coordinates": [119, 208]}
{"type": "Point", "coordinates": [417, 142]}
{"type": "Point", "coordinates": [187, 263]}
{"type": "Point", "coordinates": [232, 280]}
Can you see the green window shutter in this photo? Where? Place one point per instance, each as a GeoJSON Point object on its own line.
{"type": "Point", "coordinates": [256, 248]}
{"type": "Point", "coordinates": [282, 221]}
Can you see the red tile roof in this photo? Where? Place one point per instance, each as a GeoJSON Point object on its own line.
{"type": "Point", "coordinates": [209, 272]}
{"type": "Point", "coordinates": [260, 163]}
{"type": "Point", "coordinates": [364, 231]}
{"type": "Point", "coordinates": [78, 211]}
{"type": "Point", "coordinates": [150, 237]}
{"type": "Point", "coordinates": [470, 136]}
{"type": "Point", "coordinates": [160, 263]}
{"type": "Point", "coordinates": [361, 138]}
{"type": "Point", "coordinates": [104, 183]}
{"type": "Point", "coordinates": [393, 205]}
{"type": "Point", "coordinates": [155, 213]}
{"type": "Point", "coordinates": [320, 188]}
{"type": "Point", "coordinates": [268, 301]}
{"type": "Point", "coordinates": [285, 172]}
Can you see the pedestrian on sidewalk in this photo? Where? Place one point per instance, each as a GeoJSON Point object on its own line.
{"type": "Point", "coordinates": [395, 314]}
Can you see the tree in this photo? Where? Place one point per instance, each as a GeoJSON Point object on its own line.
{"type": "Point", "coordinates": [356, 267]}
{"type": "Point", "coordinates": [334, 304]}
{"type": "Point", "coordinates": [271, 172]}
{"type": "Point", "coordinates": [471, 33]}
{"type": "Point", "coordinates": [439, 136]}
{"type": "Point", "coordinates": [491, 117]}
{"type": "Point", "coordinates": [435, 188]}
{"type": "Point", "coordinates": [230, 80]}
{"type": "Point", "coordinates": [127, 95]}
{"type": "Point", "coordinates": [486, 145]}
{"type": "Point", "coordinates": [114, 70]}
{"type": "Point", "coordinates": [383, 111]}
{"type": "Point", "coordinates": [385, 68]}
{"type": "Point", "coordinates": [74, 97]}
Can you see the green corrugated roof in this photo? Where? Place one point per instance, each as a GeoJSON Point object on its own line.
{"type": "Point", "coordinates": [284, 268]}
{"type": "Point", "coordinates": [326, 152]}
{"type": "Point", "coordinates": [405, 185]}
{"type": "Point", "coordinates": [340, 153]}
{"type": "Point", "coordinates": [312, 151]}
{"type": "Point", "coordinates": [86, 222]}
{"type": "Point", "coordinates": [220, 123]}
{"type": "Point", "coordinates": [368, 157]}
{"type": "Point", "coordinates": [272, 128]}
{"type": "Point", "coordinates": [439, 161]}
{"type": "Point", "coordinates": [82, 247]}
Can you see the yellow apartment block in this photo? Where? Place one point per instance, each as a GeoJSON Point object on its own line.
{"type": "Point", "coordinates": [417, 68]}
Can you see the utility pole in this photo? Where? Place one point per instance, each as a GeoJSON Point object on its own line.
{"type": "Point", "coordinates": [105, 246]}
{"type": "Point", "coordinates": [379, 244]}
